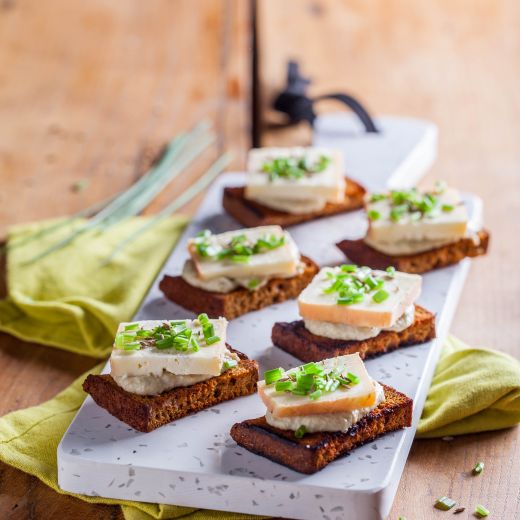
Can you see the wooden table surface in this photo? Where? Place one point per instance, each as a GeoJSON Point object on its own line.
{"type": "Point", "coordinates": [91, 90]}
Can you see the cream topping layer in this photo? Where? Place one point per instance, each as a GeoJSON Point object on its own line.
{"type": "Point", "coordinates": [329, 422]}
{"type": "Point", "coordinates": [351, 333]}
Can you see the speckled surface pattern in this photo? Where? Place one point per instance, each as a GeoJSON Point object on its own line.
{"type": "Point", "coordinates": [194, 461]}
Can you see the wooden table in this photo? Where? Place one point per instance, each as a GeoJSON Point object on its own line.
{"type": "Point", "coordinates": [91, 90]}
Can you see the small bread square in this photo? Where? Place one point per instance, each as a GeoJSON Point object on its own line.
{"type": "Point", "coordinates": [295, 339]}
{"type": "Point", "coordinates": [148, 412]}
{"type": "Point", "coordinates": [315, 450]}
{"type": "Point", "coordinates": [362, 254]}
{"type": "Point", "coordinates": [251, 214]}
{"type": "Point", "coordinates": [239, 301]}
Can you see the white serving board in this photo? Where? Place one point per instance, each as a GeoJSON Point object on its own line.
{"type": "Point", "coordinates": [396, 157]}
{"type": "Point", "coordinates": [194, 462]}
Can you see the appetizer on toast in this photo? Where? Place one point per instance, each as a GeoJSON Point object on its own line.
{"type": "Point", "coordinates": [416, 231]}
{"type": "Point", "coordinates": [321, 411]}
{"type": "Point", "coordinates": [236, 272]}
{"type": "Point", "coordinates": [349, 309]}
{"type": "Point", "coordinates": [165, 370]}
{"type": "Point", "coordinates": [287, 186]}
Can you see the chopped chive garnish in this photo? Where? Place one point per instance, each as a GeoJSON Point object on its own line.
{"type": "Point", "coordinates": [229, 363]}
{"type": "Point", "coordinates": [478, 469]}
{"type": "Point", "coordinates": [271, 376]}
{"type": "Point", "coordinates": [373, 214]}
{"type": "Point", "coordinates": [211, 340]}
{"type": "Point", "coordinates": [402, 518]}
{"type": "Point", "coordinates": [481, 511]}
{"type": "Point", "coordinates": [134, 345]}
{"type": "Point", "coordinates": [353, 378]}
{"type": "Point", "coordinates": [253, 283]}
{"type": "Point", "coordinates": [203, 318]}
{"type": "Point", "coordinates": [444, 503]}
{"type": "Point", "coordinates": [294, 168]}
{"type": "Point", "coordinates": [312, 368]}
{"type": "Point", "coordinates": [316, 394]}
{"type": "Point", "coordinates": [447, 207]}
{"type": "Point", "coordinates": [132, 326]}
{"type": "Point", "coordinates": [283, 386]}
{"type": "Point", "coordinates": [300, 432]}
{"type": "Point", "coordinates": [380, 296]}
{"type": "Point", "coordinates": [390, 270]}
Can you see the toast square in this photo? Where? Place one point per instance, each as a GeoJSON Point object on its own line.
{"type": "Point", "coordinates": [252, 214]}
{"type": "Point", "coordinates": [239, 301]}
{"type": "Point", "coordinates": [295, 339]}
{"type": "Point", "coordinates": [315, 450]}
{"type": "Point", "coordinates": [362, 254]}
{"type": "Point", "coordinates": [146, 413]}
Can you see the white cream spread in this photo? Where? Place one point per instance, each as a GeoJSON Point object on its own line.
{"type": "Point", "coordinates": [153, 384]}
{"type": "Point", "coordinates": [349, 332]}
{"type": "Point", "coordinates": [223, 284]}
{"type": "Point", "coordinates": [293, 206]}
{"type": "Point", "coordinates": [327, 422]}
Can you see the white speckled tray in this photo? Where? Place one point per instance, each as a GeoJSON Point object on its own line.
{"type": "Point", "coordinates": [194, 462]}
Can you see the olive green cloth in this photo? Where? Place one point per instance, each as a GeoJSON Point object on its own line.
{"type": "Point", "coordinates": [69, 299]}
{"type": "Point", "coordinates": [473, 390]}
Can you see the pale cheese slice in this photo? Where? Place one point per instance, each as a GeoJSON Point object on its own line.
{"type": "Point", "coordinates": [282, 261]}
{"type": "Point", "coordinates": [344, 399]}
{"type": "Point", "coordinates": [328, 184]}
{"type": "Point", "coordinates": [439, 226]}
{"type": "Point", "coordinates": [403, 289]}
{"type": "Point", "coordinates": [207, 360]}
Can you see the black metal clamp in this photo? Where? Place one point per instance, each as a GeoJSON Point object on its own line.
{"type": "Point", "coordinates": [294, 101]}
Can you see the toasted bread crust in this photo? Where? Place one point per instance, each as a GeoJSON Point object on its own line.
{"type": "Point", "coordinates": [362, 254]}
{"type": "Point", "coordinates": [146, 413]}
{"type": "Point", "coordinates": [315, 450]}
{"type": "Point", "coordinates": [251, 214]}
{"type": "Point", "coordinates": [295, 339]}
{"type": "Point", "coordinates": [240, 301]}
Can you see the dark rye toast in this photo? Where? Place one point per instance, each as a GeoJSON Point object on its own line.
{"type": "Point", "coordinates": [239, 301]}
{"type": "Point", "coordinates": [315, 450]}
{"type": "Point", "coordinates": [362, 254]}
{"type": "Point", "coordinates": [252, 214]}
{"type": "Point", "coordinates": [295, 339]}
{"type": "Point", "coordinates": [146, 413]}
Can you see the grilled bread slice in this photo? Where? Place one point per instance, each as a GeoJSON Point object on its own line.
{"type": "Point", "coordinates": [146, 413]}
{"type": "Point", "coordinates": [239, 301]}
{"type": "Point", "coordinates": [295, 339]}
{"type": "Point", "coordinates": [315, 450]}
{"type": "Point", "coordinates": [362, 254]}
{"type": "Point", "coordinates": [251, 214]}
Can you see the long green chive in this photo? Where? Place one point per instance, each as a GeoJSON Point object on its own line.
{"type": "Point", "coordinates": [481, 511]}
{"type": "Point", "coordinates": [444, 503]}
{"type": "Point", "coordinates": [380, 296]}
{"type": "Point", "coordinates": [271, 376]}
{"type": "Point", "coordinates": [478, 469]}
{"type": "Point", "coordinates": [300, 432]}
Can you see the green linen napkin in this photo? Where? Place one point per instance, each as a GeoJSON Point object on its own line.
{"type": "Point", "coordinates": [473, 390]}
{"type": "Point", "coordinates": [68, 299]}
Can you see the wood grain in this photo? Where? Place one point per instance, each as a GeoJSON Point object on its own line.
{"type": "Point", "coordinates": [457, 63]}
{"type": "Point", "coordinates": [92, 90]}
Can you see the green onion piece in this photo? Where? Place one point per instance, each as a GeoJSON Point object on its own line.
{"type": "Point", "coordinates": [349, 268]}
{"type": "Point", "coordinates": [316, 394]}
{"type": "Point", "coordinates": [390, 270]}
{"type": "Point", "coordinates": [402, 518]}
{"type": "Point", "coordinates": [447, 207]}
{"type": "Point", "coordinates": [283, 386]}
{"type": "Point", "coordinates": [164, 343]}
{"type": "Point", "coordinates": [271, 376]}
{"type": "Point", "coordinates": [481, 511]}
{"type": "Point", "coordinates": [373, 214]}
{"type": "Point", "coordinates": [119, 341]}
{"type": "Point", "coordinates": [240, 259]}
{"type": "Point", "coordinates": [376, 197]}
{"type": "Point", "coordinates": [134, 345]}
{"type": "Point", "coordinates": [312, 368]}
{"type": "Point", "coordinates": [300, 432]}
{"type": "Point", "coordinates": [229, 363]}
{"type": "Point", "coordinates": [203, 318]}
{"type": "Point", "coordinates": [353, 378]}
{"type": "Point", "coordinates": [478, 469]}
{"type": "Point", "coordinates": [380, 296]}
{"type": "Point", "coordinates": [298, 391]}
{"type": "Point", "coordinates": [253, 283]}
{"type": "Point", "coordinates": [444, 503]}
{"type": "Point", "coordinates": [132, 326]}
{"type": "Point", "coordinates": [211, 340]}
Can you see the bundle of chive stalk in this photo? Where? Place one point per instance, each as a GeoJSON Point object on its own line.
{"type": "Point", "coordinates": [178, 155]}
